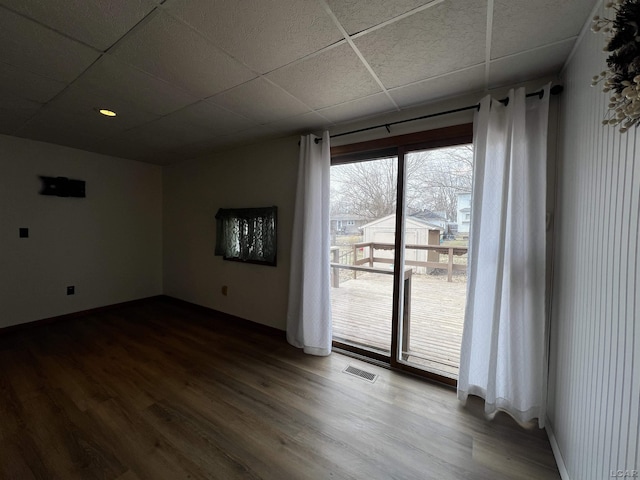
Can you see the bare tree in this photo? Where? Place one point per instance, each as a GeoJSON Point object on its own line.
{"type": "Point", "coordinates": [441, 175]}
{"type": "Point", "coordinates": [367, 189]}
{"type": "Point", "coordinates": [434, 179]}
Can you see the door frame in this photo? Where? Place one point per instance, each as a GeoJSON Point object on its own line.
{"type": "Point", "coordinates": [399, 146]}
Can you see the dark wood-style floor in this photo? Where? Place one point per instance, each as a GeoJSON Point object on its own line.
{"type": "Point", "coordinates": [158, 390]}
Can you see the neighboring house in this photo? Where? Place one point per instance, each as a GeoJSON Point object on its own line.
{"type": "Point", "coordinates": [464, 213]}
{"type": "Point", "coordinates": [346, 224]}
{"type": "Point", "coordinates": [432, 218]}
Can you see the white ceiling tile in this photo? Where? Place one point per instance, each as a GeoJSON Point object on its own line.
{"type": "Point", "coordinates": [164, 157]}
{"type": "Point", "coordinates": [9, 121]}
{"type": "Point", "coordinates": [89, 124]}
{"type": "Point", "coordinates": [522, 24]}
{"type": "Point", "coordinates": [168, 133]}
{"type": "Point", "coordinates": [12, 102]}
{"type": "Point", "coordinates": [260, 102]}
{"type": "Point", "coordinates": [246, 137]}
{"type": "Point", "coordinates": [146, 144]}
{"type": "Point", "coordinates": [132, 150]}
{"type": "Point", "coordinates": [168, 49]}
{"type": "Point", "coordinates": [444, 38]}
{"type": "Point", "coordinates": [459, 83]}
{"type": "Point", "coordinates": [201, 149]}
{"type": "Point", "coordinates": [208, 147]}
{"type": "Point", "coordinates": [16, 81]}
{"type": "Point", "coordinates": [194, 63]}
{"type": "Point", "coordinates": [14, 111]}
{"type": "Point", "coordinates": [358, 15]}
{"type": "Point", "coordinates": [329, 78]}
{"type": "Point", "coordinates": [78, 131]}
{"type": "Point", "coordinates": [129, 84]}
{"type": "Point", "coordinates": [302, 123]}
{"type": "Point", "coordinates": [529, 66]}
{"type": "Point", "coordinates": [32, 47]}
{"type": "Point", "coordinates": [124, 145]}
{"type": "Point", "coordinates": [363, 107]}
{"type": "Point", "coordinates": [98, 23]}
{"type": "Point", "coordinates": [206, 114]}
{"type": "Point", "coordinates": [262, 34]}
{"type": "Point", "coordinates": [85, 102]}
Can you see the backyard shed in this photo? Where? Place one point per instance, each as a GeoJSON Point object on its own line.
{"type": "Point", "coordinates": [417, 232]}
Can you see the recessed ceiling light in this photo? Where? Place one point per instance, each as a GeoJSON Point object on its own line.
{"type": "Point", "coordinates": [106, 113]}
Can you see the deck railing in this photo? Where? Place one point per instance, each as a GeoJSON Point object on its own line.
{"type": "Point", "coordinates": [370, 258]}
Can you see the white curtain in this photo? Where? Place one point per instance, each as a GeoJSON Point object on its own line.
{"type": "Point", "coordinates": [309, 313]}
{"type": "Point", "coordinates": [504, 354]}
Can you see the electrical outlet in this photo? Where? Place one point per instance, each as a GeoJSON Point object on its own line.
{"type": "Point", "coordinates": [225, 290]}
{"type": "Point", "coordinates": [71, 290]}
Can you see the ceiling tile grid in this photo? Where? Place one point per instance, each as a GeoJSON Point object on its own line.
{"type": "Point", "coordinates": [32, 47]}
{"type": "Point", "coordinates": [421, 46]}
{"type": "Point", "coordinates": [299, 124]}
{"type": "Point", "coordinates": [520, 25]}
{"type": "Point", "coordinates": [98, 23]}
{"type": "Point", "coordinates": [188, 77]}
{"type": "Point", "coordinates": [14, 112]}
{"type": "Point", "coordinates": [260, 101]}
{"type": "Point", "coordinates": [171, 51]}
{"type": "Point", "coordinates": [67, 129]}
{"type": "Point", "coordinates": [358, 15]}
{"type": "Point", "coordinates": [30, 86]}
{"type": "Point", "coordinates": [457, 83]}
{"type": "Point", "coordinates": [209, 115]}
{"type": "Point", "coordinates": [536, 63]}
{"type": "Point", "coordinates": [360, 108]}
{"type": "Point", "coordinates": [124, 82]}
{"type": "Point", "coordinates": [85, 102]}
{"type": "Point", "coordinates": [331, 77]}
{"type": "Point", "coordinates": [263, 34]}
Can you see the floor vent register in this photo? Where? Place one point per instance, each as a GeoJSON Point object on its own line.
{"type": "Point", "coordinates": [357, 372]}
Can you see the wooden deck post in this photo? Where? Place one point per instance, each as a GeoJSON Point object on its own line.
{"type": "Point", "coordinates": [450, 266]}
{"type": "Point", "coordinates": [355, 259]}
{"type": "Point", "coordinates": [335, 273]}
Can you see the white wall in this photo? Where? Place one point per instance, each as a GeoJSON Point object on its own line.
{"type": "Point", "coordinates": [254, 176]}
{"type": "Point", "coordinates": [108, 245]}
{"type": "Point", "coordinates": [595, 363]}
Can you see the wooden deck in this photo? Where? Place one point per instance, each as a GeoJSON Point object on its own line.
{"type": "Point", "coordinates": [362, 316]}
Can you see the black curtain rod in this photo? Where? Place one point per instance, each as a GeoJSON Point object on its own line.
{"type": "Point", "coordinates": [555, 90]}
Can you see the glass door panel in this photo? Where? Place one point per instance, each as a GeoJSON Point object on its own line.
{"type": "Point", "coordinates": [363, 205]}
{"type": "Point", "coordinates": [437, 219]}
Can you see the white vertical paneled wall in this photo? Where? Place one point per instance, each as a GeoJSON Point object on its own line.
{"type": "Point", "coordinates": [595, 354]}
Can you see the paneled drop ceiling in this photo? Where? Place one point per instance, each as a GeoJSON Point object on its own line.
{"type": "Point", "coordinates": [189, 77]}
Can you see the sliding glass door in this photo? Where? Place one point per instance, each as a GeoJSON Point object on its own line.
{"type": "Point", "coordinates": [363, 206]}
{"type": "Point", "coordinates": [436, 235]}
{"type": "Point", "coordinates": [399, 227]}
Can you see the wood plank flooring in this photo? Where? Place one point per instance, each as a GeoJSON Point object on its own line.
{"type": "Point", "coordinates": [361, 310]}
{"type": "Point", "coordinates": [159, 390]}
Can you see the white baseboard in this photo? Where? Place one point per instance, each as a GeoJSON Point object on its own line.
{"type": "Point", "coordinates": [564, 474]}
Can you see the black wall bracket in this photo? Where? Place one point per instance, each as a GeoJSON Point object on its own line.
{"type": "Point", "coordinates": [62, 187]}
